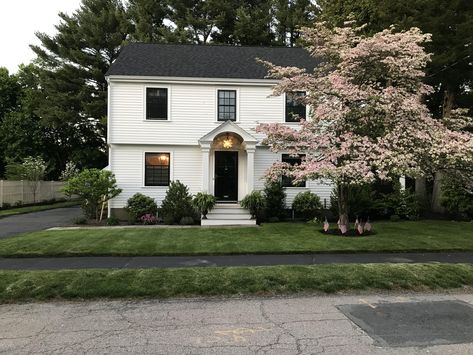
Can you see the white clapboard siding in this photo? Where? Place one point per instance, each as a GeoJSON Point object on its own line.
{"type": "Point", "coordinates": [192, 112]}
{"type": "Point", "coordinates": [127, 163]}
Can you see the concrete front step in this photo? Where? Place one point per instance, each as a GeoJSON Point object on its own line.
{"type": "Point", "coordinates": [234, 211]}
{"type": "Point", "coordinates": [229, 216]}
{"type": "Point", "coordinates": [228, 222]}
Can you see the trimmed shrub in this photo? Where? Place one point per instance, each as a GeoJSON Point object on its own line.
{"type": "Point", "coordinates": [138, 205]}
{"type": "Point", "coordinates": [307, 205]}
{"type": "Point", "coordinates": [275, 201]}
{"type": "Point", "coordinates": [177, 203]}
{"type": "Point", "coordinates": [186, 221]}
{"type": "Point", "coordinates": [457, 196]}
{"type": "Point", "coordinates": [112, 221]}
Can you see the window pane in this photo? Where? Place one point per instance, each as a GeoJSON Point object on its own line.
{"type": "Point", "coordinates": [295, 110]}
{"type": "Point", "coordinates": [288, 181]}
{"type": "Point", "coordinates": [157, 169]}
{"type": "Point", "coordinates": [226, 105]}
{"type": "Point", "coordinates": [156, 103]}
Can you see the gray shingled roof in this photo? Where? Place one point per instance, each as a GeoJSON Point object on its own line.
{"type": "Point", "coordinates": [205, 61]}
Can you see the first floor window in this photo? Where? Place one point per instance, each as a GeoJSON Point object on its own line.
{"type": "Point", "coordinates": [295, 109]}
{"type": "Point", "coordinates": [288, 181]}
{"type": "Point", "coordinates": [227, 105]}
{"type": "Point", "coordinates": [157, 169]}
{"type": "Point", "coordinates": [157, 104]}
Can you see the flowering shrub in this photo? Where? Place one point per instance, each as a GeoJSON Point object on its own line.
{"type": "Point", "coordinates": [149, 219]}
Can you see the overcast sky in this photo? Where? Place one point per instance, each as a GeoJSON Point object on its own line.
{"type": "Point", "coordinates": [20, 19]}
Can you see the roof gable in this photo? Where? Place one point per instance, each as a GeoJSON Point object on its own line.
{"type": "Point", "coordinates": [205, 61]}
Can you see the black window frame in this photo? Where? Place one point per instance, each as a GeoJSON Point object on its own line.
{"type": "Point", "coordinates": [158, 169]}
{"type": "Point", "coordinates": [227, 106]}
{"type": "Point", "coordinates": [288, 181]}
{"type": "Point", "coordinates": [294, 110]}
{"type": "Point", "coordinates": [164, 110]}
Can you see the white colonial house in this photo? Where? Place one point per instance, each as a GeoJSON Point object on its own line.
{"type": "Point", "coordinates": [189, 113]}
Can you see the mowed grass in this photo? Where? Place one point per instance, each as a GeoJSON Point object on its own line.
{"type": "Point", "coordinates": [268, 239]}
{"type": "Point", "coordinates": [28, 209]}
{"type": "Point", "coordinates": [18, 286]}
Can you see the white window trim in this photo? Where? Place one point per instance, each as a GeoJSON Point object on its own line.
{"type": "Point", "coordinates": [143, 168]}
{"type": "Point", "coordinates": [307, 110]}
{"type": "Point", "coordinates": [157, 86]}
{"type": "Point", "coordinates": [293, 187]}
{"type": "Point", "coordinates": [237, 90]}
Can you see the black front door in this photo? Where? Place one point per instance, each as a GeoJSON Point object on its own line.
{"type": "Point", "coordinates": [226, 176]}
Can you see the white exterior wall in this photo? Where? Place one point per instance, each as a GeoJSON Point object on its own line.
{"type": "Point", "coordinates": [127, 163]}
{"type": "Point", "coordinates": [192, 114]}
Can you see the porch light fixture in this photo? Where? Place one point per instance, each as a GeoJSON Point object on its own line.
{"type": "Point", "coordinates": [227, 142]}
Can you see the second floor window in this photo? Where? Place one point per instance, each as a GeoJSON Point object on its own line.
{"type": "Point", "coordinates": [288, 181]}
{"type": "Point", "coordinates": [227, 105]}
{"type": "Point", "coordinates": [157, 104]}
{"type": "Point", "coordinates": [157, 169]}
{"type": "Point", "coordinates": [295, 109]}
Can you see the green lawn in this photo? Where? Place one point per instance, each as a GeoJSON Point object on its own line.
{"type": "Point", "coordinates": [163, 283]}
{"type": "Point", "coordinates": [28, 209]}
{"type": "Point", "coordinates": [270, 238]}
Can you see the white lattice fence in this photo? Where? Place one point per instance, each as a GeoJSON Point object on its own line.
{"type": "Point", "coordinates": [15, 192]}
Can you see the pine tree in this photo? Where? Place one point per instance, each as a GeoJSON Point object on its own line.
{"type": "Point", "coordinates": [73, 64]}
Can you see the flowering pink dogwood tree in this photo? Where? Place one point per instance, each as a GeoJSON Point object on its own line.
{"type": "Point", "coordinates": [367, 117]}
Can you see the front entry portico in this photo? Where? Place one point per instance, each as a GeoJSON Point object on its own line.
{"type": "Point", "coordinates": [228, 162]}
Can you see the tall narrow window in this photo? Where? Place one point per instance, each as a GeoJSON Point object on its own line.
{"type": "Point", "coordinates": [295, 109]}
{"type": "Point", "coordinates": [157, 171]}
{"type": "Point", "coordinates": [288, 181]}
{"type": "Point", "coordinates": [157, 104]}
{"type": "Point", "coordinates": [227, 105]}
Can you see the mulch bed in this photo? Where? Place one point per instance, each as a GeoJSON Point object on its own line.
{"type": "Point", "coordinates": [350, 233]}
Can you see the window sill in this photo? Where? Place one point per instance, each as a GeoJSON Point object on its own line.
{"type": "Point", "coordinates": [157, 120]}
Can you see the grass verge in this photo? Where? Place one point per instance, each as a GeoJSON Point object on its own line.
{"type": "Point", "coordinates": [271, 238]}
{"type": "Point", "coordinates": [28, 209]}
{"type": "Point", "coordinates": [18, 286]}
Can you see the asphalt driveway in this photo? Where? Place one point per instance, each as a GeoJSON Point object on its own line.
{"type": "Point", "coordinates": [36, 221]}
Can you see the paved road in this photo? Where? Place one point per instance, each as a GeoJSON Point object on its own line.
{"type": "Point", "coordinates": [138, 262]}
{"type": "Point", "coordinates": [35, 221]}
{"type": "Point", "coordinates": [295, 325]}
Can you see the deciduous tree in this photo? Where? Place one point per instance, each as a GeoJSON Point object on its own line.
{"type": "Point", "coordinates": [367, 119]}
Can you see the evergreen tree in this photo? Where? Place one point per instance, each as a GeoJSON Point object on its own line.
{"type": "Point", "coordinates": [290, 16]}
{"type": "Point", "coordinates": [73, 63]}
{"type": "Point", "coordinates": [147, 17]}
{"type": "Point", "coordinates": [254, 24]}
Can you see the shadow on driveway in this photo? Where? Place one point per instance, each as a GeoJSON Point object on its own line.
{"type": "Point", "coordinates": [36, 221]}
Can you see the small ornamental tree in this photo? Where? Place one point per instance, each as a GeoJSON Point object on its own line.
{"type": "Point", "coordinates": [367, 117]}
{"type": "Point", "coordinates": [32, 170]}
{"type": "Point", "coordinates": [95, 187]}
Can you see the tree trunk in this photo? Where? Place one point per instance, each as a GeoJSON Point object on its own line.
{"type": "Point", "coordinates": [448, 101]}
{"type": "Point", "coordinates": [343, 205]}
{"type": "Point", "coordinates": [421, 191]}
{"type": "Point", "coordinates": [437, 193]}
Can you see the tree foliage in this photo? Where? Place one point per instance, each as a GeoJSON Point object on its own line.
{"type": "Point", "coordinates": [368, 120]}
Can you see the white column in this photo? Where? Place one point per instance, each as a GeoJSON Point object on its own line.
{"type": "Point", "coordinates": [205, 169]}
{"type": "Point", "coordinates": [250, 169]}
